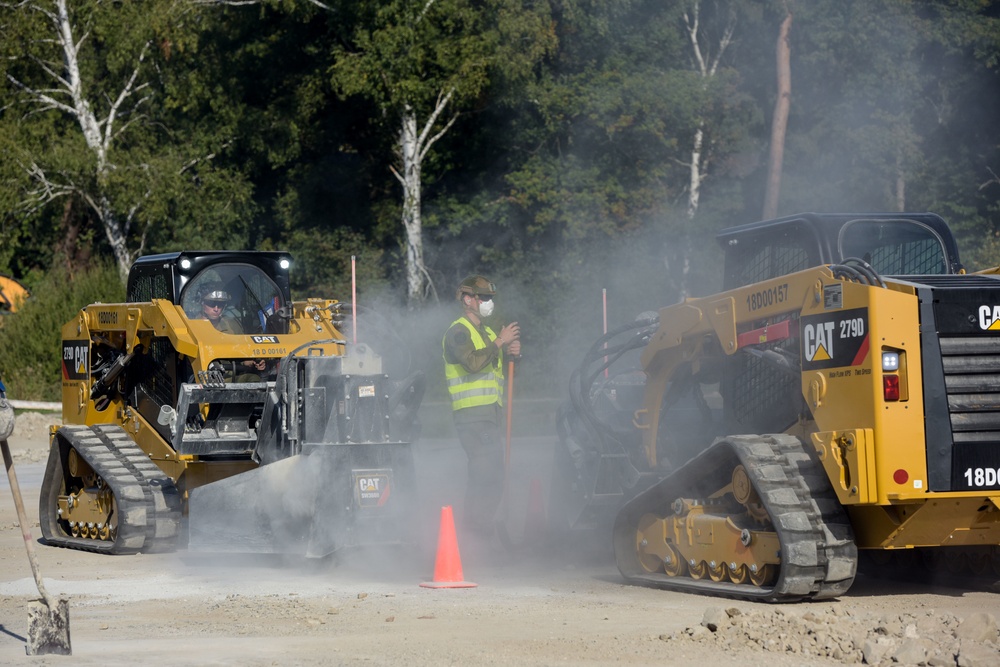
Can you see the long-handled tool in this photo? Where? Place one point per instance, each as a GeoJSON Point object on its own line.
{"type": "Point", "coordinates": [48, 618]}
{"type": "Point", "coordinates": [502, 533]}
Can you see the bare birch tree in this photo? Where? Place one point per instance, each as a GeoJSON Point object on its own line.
{"type": "Point", "coordinates": [706, 57]}
{"type": "Point", "coordinates": [96, 119]}
{"type": "Point", "coordinates": [102, 116]}
{"type": "Point", "coordinates": [421, 61]}
{"type": "Point", "coordinates": [414, 143]}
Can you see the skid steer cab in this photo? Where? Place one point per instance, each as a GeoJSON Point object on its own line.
{"type": "Point", "coordinates": [213, 410]}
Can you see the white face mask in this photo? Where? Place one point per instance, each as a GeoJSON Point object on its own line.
{"type": "Point", "coordinates": [486, 308]}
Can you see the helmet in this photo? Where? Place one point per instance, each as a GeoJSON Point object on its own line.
{"type": "Point", "coordinates": [476, 285]}
{"type": "Point", "coordinates": [214, 292]}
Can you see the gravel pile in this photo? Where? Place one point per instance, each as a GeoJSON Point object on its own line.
{"type": "Point", "coordinates": [924, 638]}
{"type": "Point", "coordinates": [33, 425]}
{"type": "Point", "coordinates": [29, 443]}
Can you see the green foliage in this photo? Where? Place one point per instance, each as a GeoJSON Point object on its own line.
{"type": "Point", "coordinates": [566, 172]}
{"type": "Point", "coordinates": [30, 338]}
{"type": "Point", "coordinates": [983, 255]}
{"type": "Point", "coordinates": [596, 155]}
{"type": "Point", "coordinates": [409, 52]}
{"type": "Point", "coordinates": [148, 173]}
{"type": "Point", "coordinates": [323, 264]}
{"type": "Point", "coordinates": [887, 104]}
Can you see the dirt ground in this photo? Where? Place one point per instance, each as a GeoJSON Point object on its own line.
{"type": "Point", "coordinates": [530, 607]}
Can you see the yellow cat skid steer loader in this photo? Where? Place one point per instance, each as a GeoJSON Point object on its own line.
{"type": "Point", "coordinates": [840, 396]}
{"type": "Point", "coordinates": [210, 408]}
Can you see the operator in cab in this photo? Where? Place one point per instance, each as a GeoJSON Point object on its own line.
{"type": "Point", "coordinates": [214, 301]}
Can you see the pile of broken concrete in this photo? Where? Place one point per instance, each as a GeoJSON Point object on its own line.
{"type": "Point", "coordinates": [918, 638]}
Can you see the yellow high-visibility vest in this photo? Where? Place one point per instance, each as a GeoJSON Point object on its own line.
{"type": "Point", "coordinates": [470, 389]}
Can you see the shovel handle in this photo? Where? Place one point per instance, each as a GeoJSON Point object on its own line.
{"type": "Point", "coordinates": [504, 499]}
{"type": "Point", "coordinates": [510, 411]}
{"type": "Point", "coordinates": [22, 518]}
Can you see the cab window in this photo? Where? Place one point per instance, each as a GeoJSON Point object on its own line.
{"type": "Point", "coordinates": [894, 247]}
{"type": "Point", "coordinates": [770, 254]}
{"type": "Point", "coordinates": [239, 299]}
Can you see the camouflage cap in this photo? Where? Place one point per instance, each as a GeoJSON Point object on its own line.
{"type": "Point", "coordinates": [476, 285]}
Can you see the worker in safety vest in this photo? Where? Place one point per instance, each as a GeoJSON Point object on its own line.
{"type": "Point", "coordinates": [473, 369]}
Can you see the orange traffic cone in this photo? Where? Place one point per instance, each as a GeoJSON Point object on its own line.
{"type": "Point", "coordinates": [448, 566]}
{"type": "Point", "coordinates": [535, 523]}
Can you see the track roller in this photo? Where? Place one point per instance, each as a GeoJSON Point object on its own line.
{"type": "Point", "coordinates": [744, 520]}
{"type": "Point", "coordinates": [101, 493]}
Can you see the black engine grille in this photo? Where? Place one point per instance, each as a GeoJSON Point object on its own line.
{"type": "Point", "coordinates": [961, 355]}
{"type": "Point", "coordinates": [972, 381]}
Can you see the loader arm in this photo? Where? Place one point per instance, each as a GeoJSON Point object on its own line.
{"type": "Point", "coordinates": [726, 318]}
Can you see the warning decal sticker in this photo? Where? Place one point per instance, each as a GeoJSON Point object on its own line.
{"type": "Point", "coordinates": [834, 339]}
{"type": "Point", "coordinates": [74, 359]}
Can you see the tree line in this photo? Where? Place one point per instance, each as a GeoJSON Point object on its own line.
{"type": "Point", "coordinates": [563, 148]}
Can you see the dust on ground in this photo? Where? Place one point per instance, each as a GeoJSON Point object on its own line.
{"type": "Point", "coordinates": [532, 606]}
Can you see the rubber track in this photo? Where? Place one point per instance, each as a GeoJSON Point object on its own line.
{"type": "Point", "coordinates": [149, 507]}
{"type": "Point", "coordinates": [818, 553]}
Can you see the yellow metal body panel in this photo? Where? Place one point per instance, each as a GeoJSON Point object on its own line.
{"type": "Point", "coordinates": [940, 520]}
{"type": "Point", "coordinates": [682, 328]}
{"type": "Point", "coordinates": [849, 460]}
{"type": "Point", "coordinates": [188, 472]}
{"type": "Point", "coordinates": [872, 449]}
{"type": "Point", "coordinates": [312, 330]}
{"type": "Point", "coordinates": [852, 399]}
{"type": "Point", "coordinates": [12, 294]}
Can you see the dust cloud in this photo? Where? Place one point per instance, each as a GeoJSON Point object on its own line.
{"type": "Point", "coordinates": [409, 343]}
{"type": "Point", "coordinates": [557, 327]}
